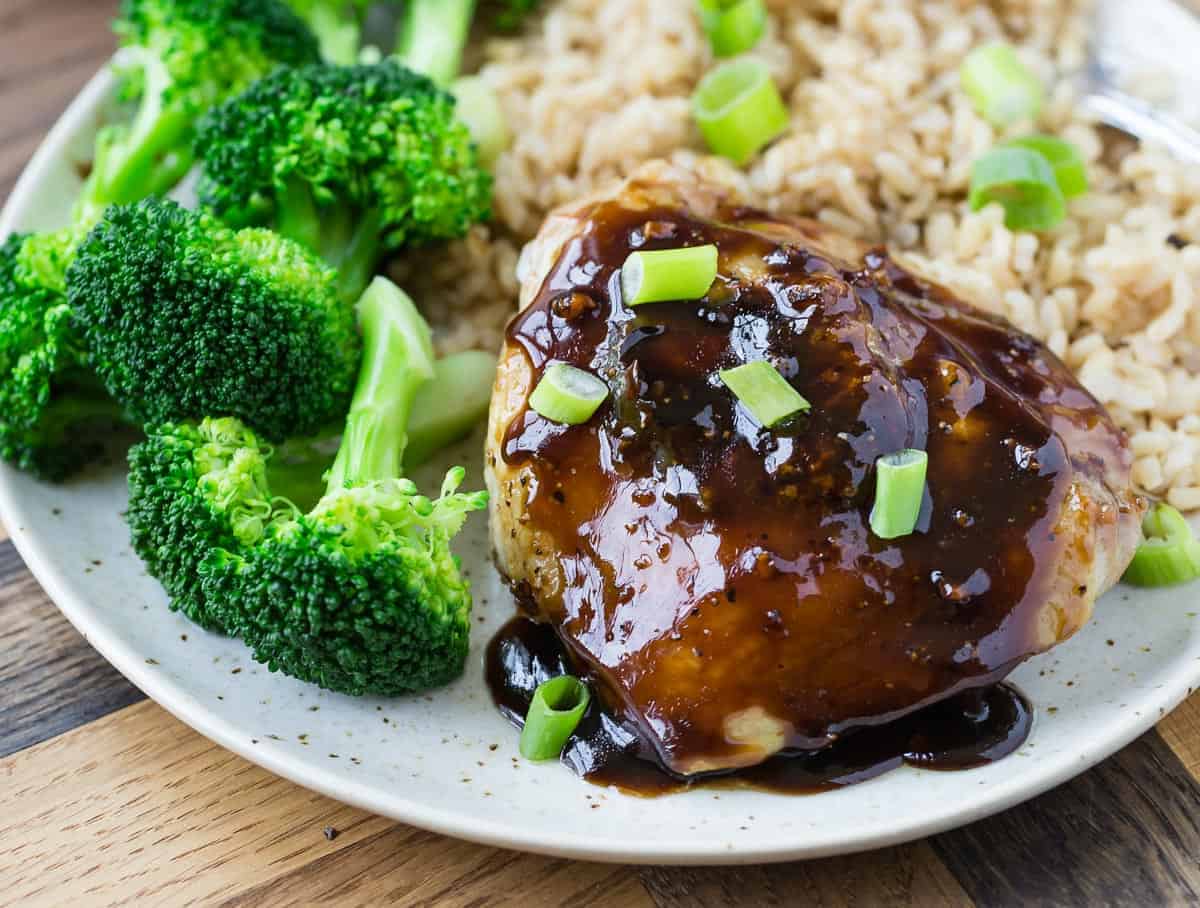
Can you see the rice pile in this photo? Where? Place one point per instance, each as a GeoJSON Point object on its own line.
{"type": "Point", "coordinates": [881, 148]}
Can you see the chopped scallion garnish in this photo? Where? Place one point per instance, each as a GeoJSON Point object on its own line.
{"type": "Point", "coordinates": [1002, 88]}
{"type": "Point", "coordinates": [899, 491]}
{"type": "Point", "coordinates": [568, 395]}
{"type": "Point", "coordinates": [554, 713]}
{"type": "Point", "coordinates": [668, 274]}
{"type": "Point", "coordinates": [1023, 182]}
{"type": "Point", "coordinates": [1070, 170]}
{"type": "Point", "coordinates": [733, 26]}
{"type": "Point", "coordinates": [1169, 553]}
{"type": "Point", "coordinates": [768, 396]}
{"type": "Point", "coordinates": [739, 110]}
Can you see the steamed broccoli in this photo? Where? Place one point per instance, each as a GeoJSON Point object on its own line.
{"type": "Point", "coordinates": [433, 33]}
{"type": "Point", "coordinates": [178, 59]}
{"type": "Point", "coordinates": [337, 25]}
{"type": "Point", "coordinates": [361, 594]}
{"type": "Point", "coordinates": [350, 161]}
{"type": "Point", "coordinates": [47, 391]}
{"type": "Point", "coordinates": [192, 489]}
{"type": "Point", "coordinates": [186, 318]}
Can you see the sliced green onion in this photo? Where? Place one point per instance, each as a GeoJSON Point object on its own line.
{"type": "Point", "coordinates": [732, 26]}
{"type": "Point", "coordinates": [478, 107]}
{"type": "Point", "coordinates": [899, 490]}
{"type": "Point", "coordinates": [568, 395]}
{"type": "Point", "coordinates": [1002, 88]}
{"type": "Point", "coordinates": [554, 713]}
{"type": "Point", "coordinates": [1070, 170]}
{"type": "Point", "coordinates": [668, 274]}
{"type": "Point", "coordinates": [1170, 552]}
{"type": "Point", "coordinates": [739, 110]}
{"type": "Point", "coordinates": [768, 396]}
{"type": "Point", "coordinates": [1023, 182]}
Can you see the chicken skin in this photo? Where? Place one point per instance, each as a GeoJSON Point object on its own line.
{"type": "Point", "coordinates": [718, 582]}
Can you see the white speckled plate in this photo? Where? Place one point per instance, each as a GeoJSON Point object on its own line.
{"type": "Point", "coordinates": [448, 762]}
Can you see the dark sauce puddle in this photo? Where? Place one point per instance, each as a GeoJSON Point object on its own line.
{"type": "Point", "coordinates": [967, 730]}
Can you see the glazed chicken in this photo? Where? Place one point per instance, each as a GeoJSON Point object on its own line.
{"type": "Point", "coordinates": [718, 582]}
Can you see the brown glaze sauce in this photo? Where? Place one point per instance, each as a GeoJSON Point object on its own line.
{"type": "Point", "coordinates": [971, 729]}
{"type": "Point", "coordinates": [709, 568]}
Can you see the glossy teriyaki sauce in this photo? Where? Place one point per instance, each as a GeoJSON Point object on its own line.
{"type": "Point", "coordinates": [717, 582]}
{"type": "Point", "coordinates": [974, 728]}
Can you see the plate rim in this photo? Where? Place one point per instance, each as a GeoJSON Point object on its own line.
{"type": "Point", "coordinates": [185, 707]}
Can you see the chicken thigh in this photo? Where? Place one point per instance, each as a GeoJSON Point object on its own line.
{"type": "Point", "coordinates": [719, 582]}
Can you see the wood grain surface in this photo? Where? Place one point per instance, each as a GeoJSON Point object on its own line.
{"type": "Point", "coordinates": [106, 799]}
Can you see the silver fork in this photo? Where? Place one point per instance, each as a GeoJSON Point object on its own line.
{"type": "Point", "coordinates": [1133, 40]}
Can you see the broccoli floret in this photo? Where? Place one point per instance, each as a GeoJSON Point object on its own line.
{"type": "Point", "coordinates": [350, 161]}
{"type": "Point", "coordinates": [361, 594]}
{"type": "Point", "coordinates": [48, 394]}
{"type": "Point", "coordinates": [192, 489]}
{"type": "Point", "coordinates": [337, 24]}
{"type": "Point", "coordinates": [186, 318]}
{"type": "Point", "coordinates": [178, 59]}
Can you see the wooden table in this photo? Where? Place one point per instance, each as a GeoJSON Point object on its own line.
{"type": "Point", "coordinates": [105, 798]}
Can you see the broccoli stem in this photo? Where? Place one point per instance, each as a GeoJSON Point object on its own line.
{"type": "Point", "coordinates": [338, 36]}
{"type": "Point", "coordinates": [432, 36]}
{"type": "Point", "coordinates": [347, 240]}
{"type": "Point", "coordinates": [397, 361]}
{"type": "Point", "coordinates": [146, 157]}
{"type": "Point", "coordinates": [449, 407]}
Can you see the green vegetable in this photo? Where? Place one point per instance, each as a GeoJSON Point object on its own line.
{"type": "Point", "coordinates": [362, 594]}
{"type": "Point", "coordinates": [194, 489]}
{"type": "Point", "coordinates": [479, 109]}
{"type": "Point", "coordinates": [1070, 170]}
{"type": "Point", "coordinates": [668, 274]}
{"type": "Point", "coordinates": [1000, 86]}
{"type": "Point", "coordinates": [512, 14]}
{"type": "Point", "coordinates": [449, 407]}
{"type": "Point", "coordinates": [1169, 553]}
{"type": "Point", "coordinates": [350, 161]}
{"type": "Point", "coordinates": [178, 59]}
{"type": "Point", "coordinates": [554, 713]}
{"type": "Point", "coordinates": [337, 25]}
{"type": "Point", "coordinates": [185, 317]}
{"type": "Point", "coordinates": [899, 492]}
{"type": "Point", "coordinates": [732, 26]}
{"type": "Point", "coordinates": [432, 36]}
{"type": "Point", "coordinates": [568, 395]}
{"type": "Point", "coordinates": [48, 393]}
{"type": "Point", "coordinates": [768, 396]}
{"type": "Point", "coordinates": [739, 110]}
{"type": "Point", "coordinates": [1023, 182]}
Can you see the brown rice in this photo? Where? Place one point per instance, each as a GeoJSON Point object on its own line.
{"type": "Point", "coordinates": [881, 147]}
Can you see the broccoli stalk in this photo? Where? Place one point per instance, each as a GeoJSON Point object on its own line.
{"type": "Point", "coordinates": [350, 161]}
{"type": "Point", "coordinates": [178, 59]}
{"type": "Point", "coordinates": [432, 36]}
{"type": "Point", "coordinates": [397, 361]}
{"type": "Point", "coordinates": [337, 24]}
{"type": "Point", "coordinates": [433, 33]}
{"type": "Point", "coordinates": [362, 594]}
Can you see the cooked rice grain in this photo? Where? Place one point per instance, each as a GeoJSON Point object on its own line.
{"type": "Point", "coordinates": [881, 147]}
